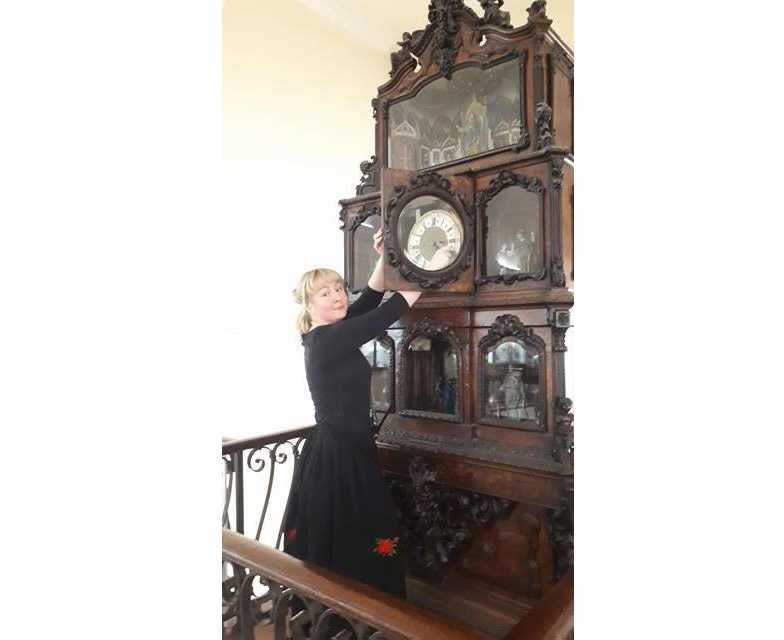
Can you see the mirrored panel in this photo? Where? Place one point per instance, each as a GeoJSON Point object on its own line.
{"type": "Point", "coordinates": [512, 384]}
{"type": "Point", "coordinates": [431, 372]}
{"type": "Point", "coordinates": [379, 357]}
{"type": "Point", "coordinates": [477, 110]}
{"type": "Point", "coordinates": [365, 257]}
{"type": "Point", "coordinates": [514, 243]}
{"type": "Point", "coordinates": [430, 232]}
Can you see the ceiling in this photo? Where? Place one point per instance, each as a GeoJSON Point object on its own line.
{"type": "Point", "coordinates": [379, 24]}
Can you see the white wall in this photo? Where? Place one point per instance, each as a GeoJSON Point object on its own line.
{"type": "Point", "coordinates": [297, 122]}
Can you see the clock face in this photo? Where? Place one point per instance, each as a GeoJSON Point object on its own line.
{"type": "Point", "coordinates": [431, 233]}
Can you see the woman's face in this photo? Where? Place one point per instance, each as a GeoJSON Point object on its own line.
{"type": "Point", "coordinates": [328, 303]}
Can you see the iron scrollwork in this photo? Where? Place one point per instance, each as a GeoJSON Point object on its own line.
{"type": "Point", "coordinates": [313, 620]}
{"type": "Point", "coordinates": [256, 462]}
{"type": "Point", "coordinates": [504, 180]}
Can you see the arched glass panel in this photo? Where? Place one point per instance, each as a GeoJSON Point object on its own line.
{"type": "Point", "coordinates": [431, 372]}
{"type": "Point", "coordinates": [512, 382]}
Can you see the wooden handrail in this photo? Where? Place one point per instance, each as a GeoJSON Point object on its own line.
{"type": "Point", "coordinates": [232, 446]}
{"type": "Point", "coordinates": [552, 618]}
{"type": "Point", "coordinates": [353, 599]}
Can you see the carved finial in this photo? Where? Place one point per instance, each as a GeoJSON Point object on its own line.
{"type": "Point", "coordinates": [563, 442]}
{"type": "Point", "coordinates": [403, 55]}
{"type": "Point", "coordinates": [440, 14]}
{"type": "Point", "coordinates": [542, 117]}
{"type": "Point", "coordinates": [557, 275]}
{"type": "Point", "coordinates": [494, 15]}
{"type": "Point", "coordinates": [537, 11]}
{"type": "Point", "coordinates": [368, 183]}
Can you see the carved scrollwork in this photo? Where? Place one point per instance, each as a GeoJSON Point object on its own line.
{"type": "Point", "coordinates": [543, 115]}
{"type": "Point", "coordinates": [369, 182]}
{"type": "Point", "coordinates": [433, 184]}
{"type": "Point", "coordinates": [559, 340]}
{"type": "Point", "coordinates": [524, 139]}
{"type": "Point", "coordinates": [557, 171]}
{"type": "Point", "coordinates": [403, 55]}
{"type": "Point", "coordinates": [557, 275]}
{"type": "Point", "coordinates": [560, 525]}
{"type": "Point", "coordinates": [563, 442]}
{"type": "Point", "coordinates": [363, 214]}
{"type": "Point", "coordinates": [504, 180]}
{"type": "Point", "coordinates": [508, 325]}
{"type": "Point", "coordinates": [494, 15]}
{"type": "Point", "coordinates": [441, 16]}
{"type": "Point", "coordinates": [433, 330]}
{"type": "Point", "coordinates": [342, 215]}
{"type": "Point", "coordinates": [560, 321]}
{"type": "Point", "coordinates": [537, 12]}
{"type": "Point", "coordinates": [439, 520]}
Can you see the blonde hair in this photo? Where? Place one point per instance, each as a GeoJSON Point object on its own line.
{"type": "Point", "coordinates": [305, 287]}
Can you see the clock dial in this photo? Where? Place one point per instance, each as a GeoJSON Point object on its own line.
{"type": "Point", "coordinates": [431, 233]}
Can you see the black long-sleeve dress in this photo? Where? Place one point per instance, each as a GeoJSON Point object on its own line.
{"type": "Point", "coordinates": [340, 513]}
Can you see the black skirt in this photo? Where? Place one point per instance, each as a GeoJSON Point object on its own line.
{"type": "Point", "coordinates": [340, 512]}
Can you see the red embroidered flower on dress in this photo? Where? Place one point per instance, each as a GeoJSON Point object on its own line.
{"type": "Point", "coordinates": [292, 533]}
{"type": "Point", "coordinates": [386, 546]}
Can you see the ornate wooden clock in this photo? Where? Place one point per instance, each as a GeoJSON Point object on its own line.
{"type": "Point", "coordinates": [472, 185]}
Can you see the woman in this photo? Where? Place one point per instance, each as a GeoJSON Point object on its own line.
{"type": "Point", "coordinates": [340, 513]}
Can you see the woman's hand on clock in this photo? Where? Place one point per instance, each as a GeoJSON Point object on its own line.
{"type": "Point", "coordinates": [378, 241]}
{"type": "Point", "coordinates": [441, 259]}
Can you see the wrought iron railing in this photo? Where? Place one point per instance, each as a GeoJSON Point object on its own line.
{"type": "Point", "coordinates": [333, 606]}
{"type": "Point", "coordinates": [261, 456]}
{"type": "Point", "coordinates": [257, 454]}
